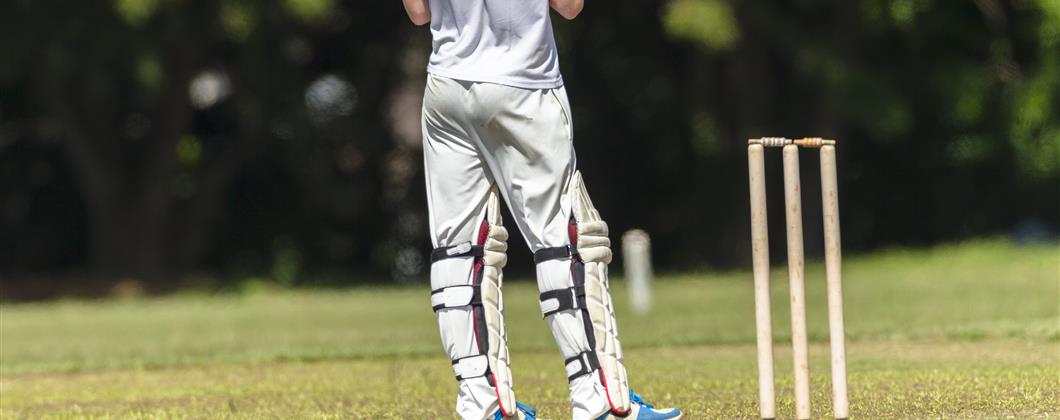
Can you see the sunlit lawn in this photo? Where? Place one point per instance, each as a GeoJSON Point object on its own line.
{"type": "Point", "coordinates": [960, 331]}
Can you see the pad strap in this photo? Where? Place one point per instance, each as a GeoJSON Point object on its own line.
{"type": "Point", "coordinates": [471, 367]}
{"type": "Point", "coordinates": [562, 300]}
{"type": "Point", "coordinates": [456, 297]}
{"type": "Point", "coordinates": [554, 253]}
{"type": "Point", "coordinates": [582, 363]}
{"type": "Point", "coordinates": [463, 250]}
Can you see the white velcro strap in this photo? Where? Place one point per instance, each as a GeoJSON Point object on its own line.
{"type": "Point", "coordinates": [559, 300]}
{"type": "Point", "coordinates": [470, 367]}
{"type": "Point", "coordinates": [452, 297]}
{"type": "Point", "coordinates": [574, 367]}
{"type": "Point", "coordinates": [579, 365]}
{"type": "Point", "coordinates": [459, 249]}
{"type": "Point", "coordinates": [549, 305]}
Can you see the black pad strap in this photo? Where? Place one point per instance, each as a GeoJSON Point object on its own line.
{"type": "Point", "coordinates": [456, 296]}
{"type": "Point", "coordinates": [455, 251]}
{"type": "Point", "coordinates": [485, 372]}
{"type": "Point", "coordinates": [554, 253]}
{"type": "Point", "coordinates": [567, 299]}
{"type": "Point", "coordinates": [586, 363]}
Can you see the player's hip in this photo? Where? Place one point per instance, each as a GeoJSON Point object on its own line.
{"type": "Point", "coordinates": [474, 106]}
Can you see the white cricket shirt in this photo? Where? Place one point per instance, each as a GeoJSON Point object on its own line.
{"type": "Point", "coordinates": [507, 42]}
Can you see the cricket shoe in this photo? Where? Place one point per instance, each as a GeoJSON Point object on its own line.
{"type": "Point", "coordinates": [523, 412]}
{"type": "Point", "coordinates": [641, 410]}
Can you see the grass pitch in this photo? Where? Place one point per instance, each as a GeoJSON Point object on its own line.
{"type": "Point", "coordinates": [968, 331]}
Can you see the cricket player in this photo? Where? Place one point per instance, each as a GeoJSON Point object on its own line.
{"type": "Point", "coordinates": [496, 124]}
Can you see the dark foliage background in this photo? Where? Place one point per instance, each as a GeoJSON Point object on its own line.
{"type": "Point", "coordinates": [173, 140]}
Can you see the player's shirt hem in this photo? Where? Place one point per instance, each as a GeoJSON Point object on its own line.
{"type": "Point", "coordinates": [500, 80]}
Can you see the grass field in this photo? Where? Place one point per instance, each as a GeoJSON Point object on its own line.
{"type": "Point", "coordinates": [969, 331]}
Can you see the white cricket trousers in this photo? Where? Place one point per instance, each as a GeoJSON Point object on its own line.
{"type": "Point", "coordinates": [475, 136]}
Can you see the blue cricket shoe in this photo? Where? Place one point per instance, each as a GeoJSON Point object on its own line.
{"type": "Point", "coordinates": [643, 411]}
{"type": "Point", "coordinates": [528, 413]}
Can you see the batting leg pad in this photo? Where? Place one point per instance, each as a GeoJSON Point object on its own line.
{"type": "Point", "coordinates": [483, 296]}
{"type": "Point", "coordinates": [589, 253]}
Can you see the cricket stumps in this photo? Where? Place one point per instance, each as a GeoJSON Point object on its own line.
{"type": "Point", "coordinates": [796, 261]}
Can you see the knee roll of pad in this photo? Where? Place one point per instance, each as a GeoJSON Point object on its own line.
{"type": "Point", "coordinates": [589, 253]}
{"type": "Point", "coordinates": [483, 296]}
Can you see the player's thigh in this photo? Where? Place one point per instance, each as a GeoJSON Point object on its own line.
{"type": "Point", "coordinates": [456, 178]}
{"type": "Point", "coordinates": [528, 142]}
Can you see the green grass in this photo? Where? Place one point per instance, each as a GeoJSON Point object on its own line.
{"type": "Point", "coordinates": [970, 330]}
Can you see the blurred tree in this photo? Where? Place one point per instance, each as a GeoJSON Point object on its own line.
{"type": "Point", "coordinates": [279, 137]}
{"type": "Point", "coordinates": [161, 105]}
